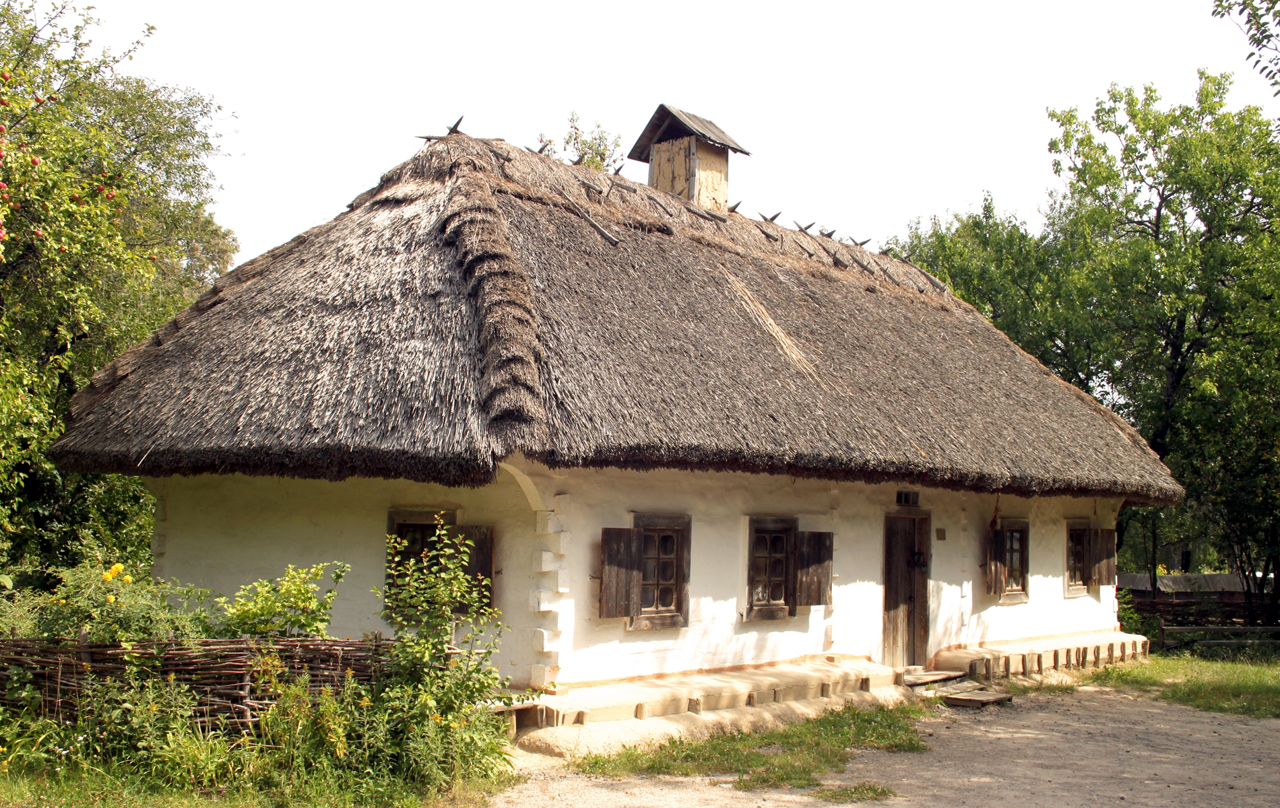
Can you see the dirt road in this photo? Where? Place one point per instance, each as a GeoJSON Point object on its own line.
{"type": "Point", "coordinates": [1094, 747]}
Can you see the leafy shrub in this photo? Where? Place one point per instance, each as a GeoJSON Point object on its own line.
{"type": "Point", "coordinates": [1131, 621]}
{"type": "Point", "coordinates": [108, 605]}
{"type": "Point", "coordinates": [426, 726]}
{"type": "Point", "coordinates": [288, 606]}
{"type": "Point", "coordinates": [120, 604]}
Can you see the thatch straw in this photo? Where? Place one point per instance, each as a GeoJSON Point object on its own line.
{"type": "Point", "coordinates": [475, 304]}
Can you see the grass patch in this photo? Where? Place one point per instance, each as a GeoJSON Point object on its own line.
{"type": "Point", "coordinates": [862, 792]}
{"type": "Point", "coordinates": [96, 790]}
{"type": "Point", "coordinates": [1244, 686]}
{"type": "Point", "coordinates": [790, 756]}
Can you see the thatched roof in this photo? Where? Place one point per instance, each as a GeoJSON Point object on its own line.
{"type": "Point", "coordinates": [482, 301]}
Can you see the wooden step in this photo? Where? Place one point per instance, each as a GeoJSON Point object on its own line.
{"type": "Point", "coordinates": [931, 677]}
{"type": "Point", "coordinates": [976, 698]}
{"type": "Point", "coordinates": [953, 688]}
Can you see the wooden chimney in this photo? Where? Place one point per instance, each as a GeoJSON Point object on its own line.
{"type": "Point", "coordinates": [688, 156]}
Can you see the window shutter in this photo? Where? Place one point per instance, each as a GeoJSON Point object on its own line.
{"type": "Point", "coordinates": [1105, 570]}
{"type": "Point", "coordinates": [480, 563]}
{"type": "Point", "coordinates": [813, 569]}
{"type": "Point", "coordinates": [1089, 553]}
{"type": "Point", "coordinates": [620, 572]}
{"type": "Point", "coordinates": [995, 562]}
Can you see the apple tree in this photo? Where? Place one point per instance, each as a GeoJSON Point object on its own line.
{"type": "Point", "coordinates": [104, 234]}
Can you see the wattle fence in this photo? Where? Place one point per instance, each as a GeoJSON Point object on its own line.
{"type": "Point", "coordinates": [224, 675]}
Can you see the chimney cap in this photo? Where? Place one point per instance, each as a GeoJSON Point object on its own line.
{"type": "Point", "coordinates": [669, 123]}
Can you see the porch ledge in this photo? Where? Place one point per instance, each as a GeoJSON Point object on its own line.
{"type": "Point", "coordinates": [1020, 657]}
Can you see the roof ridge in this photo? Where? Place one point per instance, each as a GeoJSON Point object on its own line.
{"type": "Point", "coordinates": [510, 348]}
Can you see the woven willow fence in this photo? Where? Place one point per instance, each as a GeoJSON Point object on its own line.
{"type": "Point", "coordinates": [225, 676]}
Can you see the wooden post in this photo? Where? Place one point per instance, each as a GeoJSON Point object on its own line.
{"type": "Point", "coordinates": [978, 669]}
{"type": "Point", "coordinates": [1160, 633]}
{"type": "Point", "coordinates": [695, 705]}
{"type": "Point", "coordinates": [1057, 659]}
{"type": "Point", "coordinates": [642, 710]}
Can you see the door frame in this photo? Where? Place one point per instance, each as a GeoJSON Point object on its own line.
{"type": "Point", "coordinates": [915, 652]}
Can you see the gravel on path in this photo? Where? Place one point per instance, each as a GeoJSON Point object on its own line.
{"type": "Point", "coordinates": [1094, 747]}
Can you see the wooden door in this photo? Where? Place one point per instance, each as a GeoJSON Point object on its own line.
{"type": "Point", "coordinates": [906, 588]}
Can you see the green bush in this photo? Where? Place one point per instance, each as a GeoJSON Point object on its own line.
{"type": "Point", "coordinates": [425, 727]}
{"type": "Point", "coordinates": [288, 606]}
{"type": "Point", "coordinates": [108, 605]}
{"type": "Point", "coordinates": [1131, 622]}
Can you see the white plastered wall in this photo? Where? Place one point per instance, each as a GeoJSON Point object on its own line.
{"type": "Point", "coordinates": [221, 532]}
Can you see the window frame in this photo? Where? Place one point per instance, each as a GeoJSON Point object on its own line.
{"type": "Point", "coordinates": [1081, 529]}
{"type": "Point", "coordinates": [678, 615]}
{"type": "Point", "coordinates": [1023, 526]}
{"type": "Point", "coordinates": [787, 609]}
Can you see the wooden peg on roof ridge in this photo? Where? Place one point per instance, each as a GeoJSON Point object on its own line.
{"type": "Point", "coordinates": [454, 129]}
{"type": "Point", "coordinates": [827, 233]}
{"type": "Point", "coordinates": [578, 162]}
{"type": "Point", "coordinates": [771, 218]}
{"type": "Point", "coordinates": [544, 147]}
{"type": "Point", "coordinates": [617, 171]}
{"type": "Point", "coordinates": [804, 228]}
{"type": "Point", "coordinates": [863, 243]}
{"type": "Point", "coordinates": [734, 207]}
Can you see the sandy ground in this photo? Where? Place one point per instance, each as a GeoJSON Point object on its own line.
{"type": "Point", "coordinates": [1094, 747]}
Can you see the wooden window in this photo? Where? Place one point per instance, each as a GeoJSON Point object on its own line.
{"type": "Point", "coordinates": [419, 529]}
{"type": "Point", "coordinates": [1079, 572]}
{"type": "Point", "coordinates": [786, 569]}
{"type": "Point", "coordinates": [645, 574]}
{"type": "Point", "coordinates": [1007, 550]}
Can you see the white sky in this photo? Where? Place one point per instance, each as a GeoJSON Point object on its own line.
{"type": "Point", "coordinates": [860, 115]}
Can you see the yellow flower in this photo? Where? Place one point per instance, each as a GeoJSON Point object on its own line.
{"type": "Point", "coordinates": [111, 598]}
{"type": "Point", "coordinates": [106, 576]}
{"type": "Point", "coordinates": [128, 579]}
{"type": "Point", "coordinates": [364, 702]}
{"type": "Point", "coordinates": [63, 600]}
{"type": "Point", "coordinates": [116, 569]}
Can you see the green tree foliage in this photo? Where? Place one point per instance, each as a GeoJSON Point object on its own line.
{"type": "Point", "coordinates": [1153, 286]}
{"type": "Point", "coordinates": [104, 234]}
{"type": "Point", "coordinates": [597, 149]}
{"type": "Point", "coordinates": [1260, 20]}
